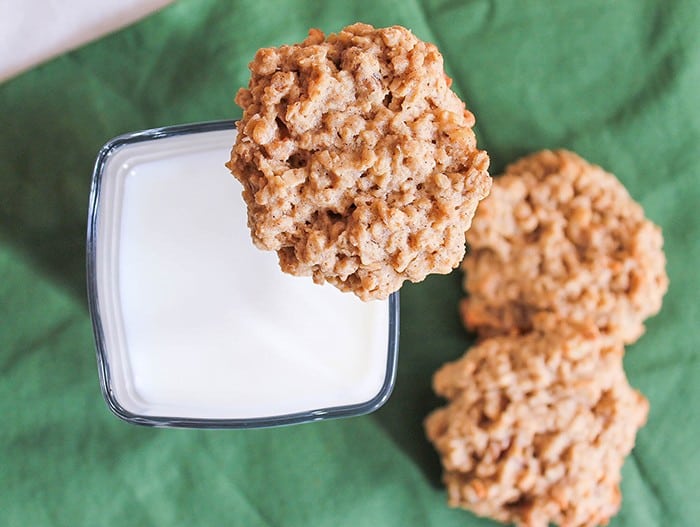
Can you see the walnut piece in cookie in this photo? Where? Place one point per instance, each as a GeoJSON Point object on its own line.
{"type": "Point", "coordinates": [560, 235]}
{"type": "Point", "coordinates": [358, 162]}
{"type": "Point", "coordinates": [537, 426]}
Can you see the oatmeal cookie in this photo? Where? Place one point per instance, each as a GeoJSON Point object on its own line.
{"type": "Point", "coordinates": [537, 426]}
{"type": "Point", "coordinates": [560, 235]}
{"type": "Point", "coordinates": [358, 162]}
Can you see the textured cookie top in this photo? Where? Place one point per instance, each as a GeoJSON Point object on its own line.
{"type": "Point", "coordinates": [537, 426]}
{"type": "Point", "coordinates": [560, 235]}
{"type": "Point", "coordinates": [358, 162]}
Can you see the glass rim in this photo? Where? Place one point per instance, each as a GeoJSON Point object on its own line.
{"type": "Point", "coordinates": [190, 422]}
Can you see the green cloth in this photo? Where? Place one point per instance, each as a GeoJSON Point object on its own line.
{"type": "Point", "coordinates": [618, 82]}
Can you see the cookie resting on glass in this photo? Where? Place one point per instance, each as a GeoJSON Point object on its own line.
{"type": "Point", "coordinates": [359, 164]}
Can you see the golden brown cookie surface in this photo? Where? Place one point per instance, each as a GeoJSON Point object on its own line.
{"type": "Point", "coordinates": [358, 162]}
{"type": "Point", "coordinates": [537, 426]}
{"type": "Point", "coordinates": [560, 235]}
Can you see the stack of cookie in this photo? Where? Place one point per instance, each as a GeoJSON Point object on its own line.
{"type": "Point", "coordinates": [360, 168]}
{"type": "Point", "coordinates": [562, 272]}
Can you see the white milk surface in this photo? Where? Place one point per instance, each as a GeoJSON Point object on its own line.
{"type": "Point", "coordinates": [201, 324]}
